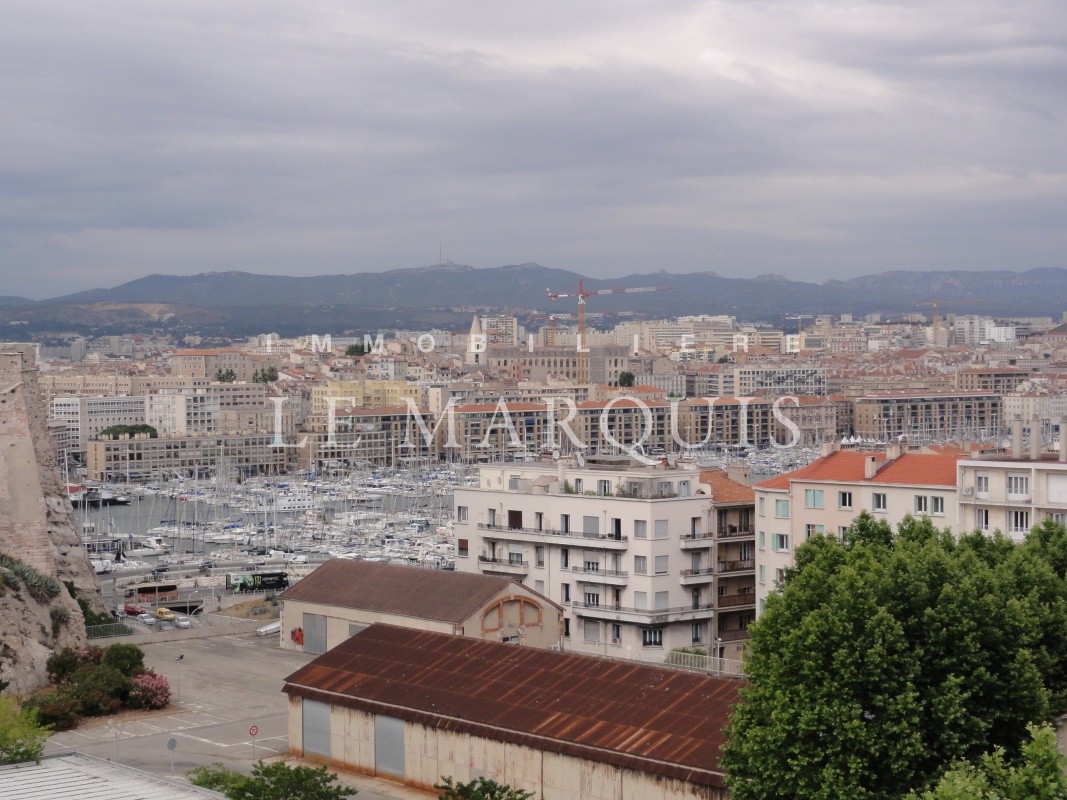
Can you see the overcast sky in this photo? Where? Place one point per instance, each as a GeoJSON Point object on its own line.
{"type": "Point", "coordinates": [815, 140]}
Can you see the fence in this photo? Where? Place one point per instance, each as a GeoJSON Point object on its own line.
{"type": "Point", "coordinates": [710, 664]}
{"type": "Point", "coordinates": [113, 629]}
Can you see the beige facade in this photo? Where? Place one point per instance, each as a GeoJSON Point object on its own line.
{"type": "Point", "coordinates": [1011, 494]}
{"type": "Point", "coordinates": [937, 415]}
{"type": "Point", "coordinates": [431, 752]}
{"type": "Point", "coordinates": [188, 455]}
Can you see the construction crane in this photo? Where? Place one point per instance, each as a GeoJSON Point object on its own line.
{"type": "Point", "coordinates": [936, 304]}
{"type": "Point", "coordinates": [583, 364]}
{"type": "Point", "coordinates": [800, 320]}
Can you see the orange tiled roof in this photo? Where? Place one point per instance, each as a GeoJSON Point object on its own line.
{"type": "Point", "coordinates": [848, 466]}
{"type": "Point", "coordinates": [844, 465]}
{"type": "Point", "coordinates": [919, 469]}
{"type": "Point", "coordinates": [725, 489]}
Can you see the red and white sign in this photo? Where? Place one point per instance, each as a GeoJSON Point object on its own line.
{"type": "Point", "coordinates": [253, 730]}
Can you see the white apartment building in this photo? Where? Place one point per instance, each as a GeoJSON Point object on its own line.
{"type": "Point", "coordinates": [85, 417]}
{"type": "Point", "coordinates": [191, 413]}
{"type": "Point", "coordinates": [828, 494]}
{"type": "Point", "coordinates": [626, 550]}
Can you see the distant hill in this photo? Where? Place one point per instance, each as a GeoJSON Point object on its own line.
{"type": "Point", "coordinates": [237, 303]}
{"type": "Point", "coordinates": [16, 301]}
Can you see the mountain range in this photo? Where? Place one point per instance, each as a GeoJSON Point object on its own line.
{"type": "Point", "coordinates": [242, 302]}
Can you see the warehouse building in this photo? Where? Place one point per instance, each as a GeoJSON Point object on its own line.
{"type": "Point", "coordinates": [414, 706]}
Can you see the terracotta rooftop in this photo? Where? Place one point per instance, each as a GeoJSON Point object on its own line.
{"type": "Point", "coordinates": [919, 469]}
{"type": "Point", "coordinates": [843, 465]}
{"type": "Point", "coordinates": [396, 589]}
{"type": "Point", "coordinates": [848, 466]}
{"type": "Point", "coordinates": [652, 719]}
{"type": "Point", "coordinates": [725, 489]}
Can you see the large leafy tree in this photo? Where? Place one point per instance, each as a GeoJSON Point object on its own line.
{"type": "Point", "coordinates": [277, 781]}
{"type": "Point", "coordinates": [478, 789]}
{"type": "Point", "coordinates": [889, 656]}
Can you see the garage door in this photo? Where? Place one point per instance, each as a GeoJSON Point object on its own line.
{"type": "Point", "coordinates": [389, 746]}
{"type": "Point", "coordinates": [316, 730]}
{"type": "Point", "coordinates": [314, 633]}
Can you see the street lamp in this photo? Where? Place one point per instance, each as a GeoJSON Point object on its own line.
{"type": "Point", "coordinates": [178, 658]}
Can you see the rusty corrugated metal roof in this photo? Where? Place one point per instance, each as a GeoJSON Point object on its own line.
{"type": "Point", "coordinates": [397, 589]}
{"type": "Point", "coordinates": [657, 720]}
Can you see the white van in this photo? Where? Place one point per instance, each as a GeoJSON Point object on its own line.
{"type": "Point", "coordinates": [297, 560]}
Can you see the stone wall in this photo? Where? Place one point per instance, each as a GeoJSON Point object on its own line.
{"type": "Point", "coordinates": [36, 527]}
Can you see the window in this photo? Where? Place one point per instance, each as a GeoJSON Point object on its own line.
{"type": "Point", "coordinates": [461, 513]}
{"type": "Point", "coordinates": [640, 565]}
{"type": "Point", "coordinates": [513, 482]}
{"type": "Point", "coordinates": [603, 487]}
{"type": "Point", "coordinates": [564, 523]}
{"type": "Point", "coordinates": [661, 565]}
{"type": "Point", "coordinates": [591, 566]}
{"type": "Point", "coordinates": [662, 602]}
{"type": "Point", "coordinates": [762, 540]}
{"type": "Point", "coordinates": [640, 529]}
{"type": "Point", "coordinates": [981, 484]}
{"type": "Point", "coordinates": [462, 546]}
{"type": "Point", "coordinates": [813, 498]}
{"type": "Point", "coordinates": [780, 542]}
{"type": "Point", "coordinates": [762, 606]}
{"type": "Point", "coordinates": [781, 508]}
{"type": "Point", "coordinates": [922, 505]}
{"type": "Point", "coordinates": [579, 486]}
{"type": "Point", "coordinates": [641, 600]}
{"type": "Point", "coordinates": [698, 632]}
{"type": "Point", "coordinates": [683, 488]}
{"type": "Point", "coordinates": [844, 500]}
{"type": "Point", "coordinates": [565, 558]}
{"type": "Point", "coordinates": [1018, 486]}
{"type": "Point", "coordinates": [592, 599]}
{"type": "Point", "coordinates": [762, 506]}
{"type": "Point", "coordinates": [779, 576]}
{"type": "Point", "coordinates": [567, 627]}
{"type": "Point", "coordinates": [591, 630]}
{"type": "Point", "coordinates": [1058, 517]}
{"type": "Point", "coordinates": [652, 637]}
{"type": "Point", "coordinates": [539, 587]}
{"type": "Point", "coordinates": [812, 530]}
{"type": "Point", "coordinates": [565, 592]}
{"type": "Point", "coordinates": [842, 531]}
{"type": "Point", "coordinates": [590, 525]}
{"type": "Point", "coordinates": [1018, 521]}
{"type": "Point", "coordinates": [762, 573]}
{"type": "Point", "coordinates": [660, 530]}
{"type": "Point", "coordinates": [879, 502]}
{"type": "Point", "coordinates": [937, 505]}
{"type": "Point", "coordinates": [539, 555]}
{"type": "Point", "coordinates": [981, 519]}
{"type": "Point", "coordinates": [616, 633]}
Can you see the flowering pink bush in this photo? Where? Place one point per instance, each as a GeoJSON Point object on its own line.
{"type": "Point", "coordinates": [150, 691]}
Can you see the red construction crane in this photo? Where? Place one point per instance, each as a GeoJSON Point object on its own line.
{"type": "Point", "coordinates": [581, 294]}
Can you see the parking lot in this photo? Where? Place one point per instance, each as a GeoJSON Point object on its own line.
{"type": "Point", "coordinates": [220, 686]}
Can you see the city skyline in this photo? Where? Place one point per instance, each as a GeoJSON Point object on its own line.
{"type": "Point", "coordinates": [796, 139]}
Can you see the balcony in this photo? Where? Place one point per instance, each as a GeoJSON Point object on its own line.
{"type": "Point", "coordinates": [700, 575]}
{"type": "Point", "coordinates": [694, 541]}
{"type": "Point", "coordinates": [735, 600]}
{"type": "Point", "coordinates": [741, 565]}
{"type": "Point", "coordinates": [577, 538]}
{"type": "Point", "coordinates": [737, 635]}
{"type": "Point", "coordinates": [619, 613]}
{"type": "Point", "coordinates": [736, 532]}
{"type": "Point", "coordinates": [612, 577]}
{"type": "Point", "coordinates": [503, 565]}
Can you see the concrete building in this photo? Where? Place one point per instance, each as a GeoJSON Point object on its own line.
{"type": "Point", "coordinates": [605, 362]}
{"type": "Point", "coordinates": [414, 706]}
{"type": "Point", "coordinates": [824, 498]}
{"type": "Point", "coordinates": [342, 597]}
{"type": "Point", "coordinates": [927, 415]}
{"type": "Point", "coordinates": [86, 417]}
{"type": "Point", "coordinates": [256, 454]}
{"type": "Point", "coordinates": [183, 414]}
{"type": "Point", "coordinates": [990, 379]}
{"type": "Point", "coordinates": [626, 550]}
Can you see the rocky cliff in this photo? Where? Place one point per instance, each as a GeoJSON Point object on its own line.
{"type": "Point", "coordinates": [38, 536]}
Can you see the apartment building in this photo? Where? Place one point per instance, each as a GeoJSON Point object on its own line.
{"type": "Point", "coordinates": [383, 437]}
{"type": "Point", "coordinates": [359, 394]}
{"type": "Point", "coordinates": [627, 550]}
{"type": "Point", "coordinates": [605, 362]}
{"type": "Point", "coordinates": [927, 415]}
{"type": "Point", "coordinates": [182, 413]}
{"type": "Point", "coordinates": [209, 363]}
{"type": "Point", "coordinates": [828, 494]}
{"type": "Point", "coordinates": [108, 459]}
{"type": "Point", "coordinates": [86, 417]}
{"type": "Point", "coordinates": [990, 379]}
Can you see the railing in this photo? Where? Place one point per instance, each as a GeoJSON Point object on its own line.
{"type": "Point", "coordinates": [687, 573]}
{"type": "Point", "coordinates": [736, 532]}
{"type": "Point", "coordinates": [549, 532]}
{"type": "Point", "coordinates": [733, 636]}
{"type": "Point", "coordinates": [507, 562]}
{"type": "Point", "coordinates": [741, 565]}
{"type": "Point", "coordinates": [711, 664]}
{"type": "Point", "coordinates": [731, 600]}
{"type": "Point", "coordinates": [608, 573]}
{"type": "Point", "coordinates": [691, 536]}
{"type": "Point", "coordinates": [113, 629]}
{"type": "Point", "coordinates": [608, 607]}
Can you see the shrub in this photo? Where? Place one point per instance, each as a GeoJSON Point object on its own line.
{"type": "Point", "coordinates": [60, 617]}
{"type": "Point", "coordinates": [42, 588]}
{"type": "Point", "coordinates": [58, 709]}
{"type": "Point", "coordinates": [64, 663]}
{"type": "Point", "coordinates": [149, 691]}
{"type": "Point", "coordinates": [100, 690]}
{"type": "Point", "coordinates": [22, 737]}
{"type": "Point", "coordinates": [126, 658]}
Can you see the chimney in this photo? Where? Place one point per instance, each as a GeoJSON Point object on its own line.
{"type": "Point", "coordinates": [870, 467]}
{"type": "Point", "coordinates": [1017, 437]}
{"type": "Point", "coordinates": [1063, 433]}
{"type": "Point", "coordinates": [830, 446]}
{"type": "Point", "coordinates": [1035, 439]}
{"type": "Point", "coordinates": [893, 450]}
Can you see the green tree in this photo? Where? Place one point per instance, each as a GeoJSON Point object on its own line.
{"type": "Point", "coordinates": [115, 431]}
{"type": "Point", "coordinates": [478, 789]}
{"type": "Point", "coordinates": [887, 657]}
{"type": "Point", "coordinates": [225, 376]}
{"type": "Point", "coordinates": [100, 689]}
{"type": "Point", "coordinates": [626, 378]}
{"type": "Point", "coordinates": [354, 350]}
{"type": "Point", "coordinates": [126, 658]}
{"type": "Point", "coordinates": [1038, 775]}
{"type": "Point", "coordinates": [22, 738]}
{"type": "Point", "coordinates": [277, 781]}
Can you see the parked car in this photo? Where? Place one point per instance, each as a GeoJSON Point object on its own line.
{"type": "Point", "coordinates": [160, 569]}
{"type": "Point", "coordinates": [164, 613]}
{"type": "Point", "coordinates": [207, 566]}
{"type": "Point", "coordinates": [182, 622]}
{"type": "Point", "coordinates": [146, 618]}
{"type": "Point", "coordinates": [133, 610]}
